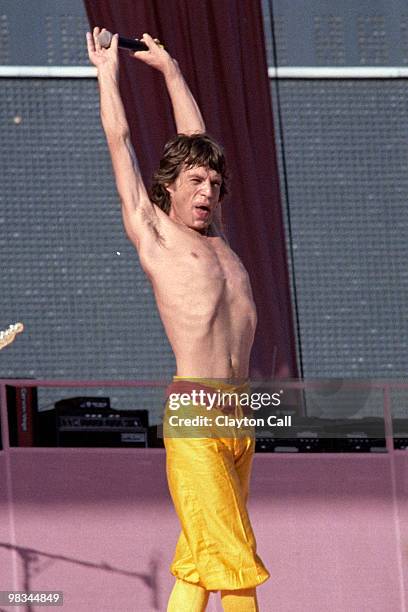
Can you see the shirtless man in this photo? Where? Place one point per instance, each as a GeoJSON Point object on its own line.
{"type": "Point", "coordinates": [205, 302]}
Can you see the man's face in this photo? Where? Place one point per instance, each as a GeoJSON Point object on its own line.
{"type": "Point", "coordinates": [194, 197]}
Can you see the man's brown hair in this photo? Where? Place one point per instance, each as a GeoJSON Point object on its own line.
{"type": "Point", "coordinates": [191, 151]}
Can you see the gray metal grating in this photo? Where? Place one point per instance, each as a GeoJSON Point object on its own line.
{"type": "Point", "coordinates": [332, 33]}
{"type": "Point", "coordinates": [89, 312]}
{"type": "Point", "coordinates": [346, 154]}
{"type": "Point", "coordinates": [43, 33]}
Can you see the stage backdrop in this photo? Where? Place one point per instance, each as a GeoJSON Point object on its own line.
{"type": "Point", "coordinates": [220, 48]}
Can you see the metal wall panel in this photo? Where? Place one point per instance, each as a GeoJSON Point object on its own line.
{"type": "Point", "coordinates": [332, 33]}
{"type": "Point", "coordinates": [68, 271]}
{"type": "Point", "coordinates": [43, 33]}
{"type": "Point", "coordinates": [343, 153]}
{"type": "Point", "coordinates": [345, 147]}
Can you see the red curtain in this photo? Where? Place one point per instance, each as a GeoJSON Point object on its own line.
{"type": "Point", "coordinates": [219, 45]}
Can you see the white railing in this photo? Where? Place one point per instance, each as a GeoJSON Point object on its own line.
{"type": "Point", "coordinates": [283, 72]}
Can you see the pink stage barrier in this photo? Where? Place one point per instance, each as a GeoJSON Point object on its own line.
{"type": "Point", "coordinates": [99, 525]}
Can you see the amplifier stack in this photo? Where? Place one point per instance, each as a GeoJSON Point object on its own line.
{"type": "Point", "coordinates": [73, 422]}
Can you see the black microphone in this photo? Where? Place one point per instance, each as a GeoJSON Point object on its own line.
{"type": "Point", "coordinates": [105, 39]}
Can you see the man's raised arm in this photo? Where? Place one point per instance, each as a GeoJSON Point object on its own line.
{"type": "Point", "coordinates": [139, 215]}
{"type": "Point", "coordinates": [186, 113]}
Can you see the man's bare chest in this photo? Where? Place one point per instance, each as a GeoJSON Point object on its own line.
{"type": "Point", "coordinates": [212, 261]}
{"type": "Point", "coordinates": [201, 267]}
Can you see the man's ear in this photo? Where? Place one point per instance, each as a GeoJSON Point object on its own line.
{"type": "Point", "coordinates": [170, 188]}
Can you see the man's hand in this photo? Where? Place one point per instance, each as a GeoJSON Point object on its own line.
{"type": "Point", "coordinates": [105, 60]}
{"type": "Point", "coordinates": [187, 115]}
{"type": "Point", "coordinates": [156, 56]}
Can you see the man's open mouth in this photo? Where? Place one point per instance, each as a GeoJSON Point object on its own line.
{"type": "Point", "coordinates": [202, 212]}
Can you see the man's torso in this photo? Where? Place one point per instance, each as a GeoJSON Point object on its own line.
{"type": "Point", "coordinates": [204, 299]}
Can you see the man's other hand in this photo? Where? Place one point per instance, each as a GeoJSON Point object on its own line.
{"type": "Point", "coordinates": [156, 56]}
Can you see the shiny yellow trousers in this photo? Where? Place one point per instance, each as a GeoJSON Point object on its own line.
{"type": "Point", "coordinates": [208, 479]}
{"type": "Point", "coordinates": [188, 597]}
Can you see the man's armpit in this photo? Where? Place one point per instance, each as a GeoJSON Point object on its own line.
{"type": "Point", "coordinates": [151, 224]}
{"type": "Point", "coordinates": [142, 225]}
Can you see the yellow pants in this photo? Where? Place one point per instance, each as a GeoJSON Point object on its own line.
{"type": "Point", "coordinates": [209, 482]}
{"type": "Point", "coordinates": [188, 597]}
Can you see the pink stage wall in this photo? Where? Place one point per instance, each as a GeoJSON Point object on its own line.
{"type": "Point", "coordinates": [99, 525]}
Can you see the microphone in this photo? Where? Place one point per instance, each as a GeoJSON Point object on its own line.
{"type": "Point", "coordinates": [105, 39]}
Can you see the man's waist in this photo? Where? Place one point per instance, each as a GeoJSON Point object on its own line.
{"type": "Point", "coordinates": [209, 393]}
